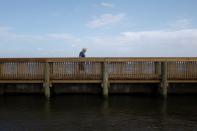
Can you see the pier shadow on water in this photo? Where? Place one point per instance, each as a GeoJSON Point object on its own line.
{"type": "Point", "coordinates": [89, 112]}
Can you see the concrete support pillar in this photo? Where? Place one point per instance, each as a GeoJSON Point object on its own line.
{"type": "Point", "coordinates": [105, 80]}
{"type": "Point", "coordinates": [164, 79]}
{"type": "Point", "coordinates": [47, 80]}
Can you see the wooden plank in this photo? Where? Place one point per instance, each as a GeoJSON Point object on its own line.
{"type": "Point", "coordinates": [21, 81]}
{"type": "Point", "coordinates": [96, 81]}
{"type": "Point", "coordinates": [100, 59]}
{"type": "Point", "coordinates": [182, 81]}
{"type": "Point", "coordinates": [76, 81]}
{"type": "Point", "coordinates": [134, 81]}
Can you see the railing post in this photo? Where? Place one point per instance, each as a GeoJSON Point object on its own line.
{"type": "Point", "coordinates": [105, 79]}
{"type": "Point", "coordinates": [158, 68]}
{"type": "Point", "coordinates": [47, 80]}
{"type": "Point", "coordinates": [164, 80]}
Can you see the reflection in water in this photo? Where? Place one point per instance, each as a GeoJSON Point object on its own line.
{"type": "Point", "coordinates": [78, 112]}
{"type": "Point", "coordinates": [105, 106]}
{"type": "Point", "coordinates": [47, 108]}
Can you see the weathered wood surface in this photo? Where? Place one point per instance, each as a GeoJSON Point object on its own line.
{"type": "Point", "coordinates": [122, 70]}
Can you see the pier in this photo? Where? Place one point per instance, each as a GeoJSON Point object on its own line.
{"type": "Point", "coordinates": [161, 71]}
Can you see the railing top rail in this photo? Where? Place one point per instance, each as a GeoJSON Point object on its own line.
{"type": "Point", "coordinates": [100, 59]}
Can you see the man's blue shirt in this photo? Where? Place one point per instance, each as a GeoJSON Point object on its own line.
{"type": "Point", "coordinates": [81, 54]}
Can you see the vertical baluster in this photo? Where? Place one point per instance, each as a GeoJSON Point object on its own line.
{"type": "Point", "coordinates": [92, 71]}
{"type": "Point", "coordinates": [22, 68]}
{"type": "Point", "coordinates": [63, 70]}
{"type": "Point", "coordinates": [66, 68]}
{"type": "Point", "coordinates": [171, 70]}
{"type": "Point", "coordinates": [150, 74]}
{"type": "Point", "coordinates": [145, 70]}
{"type": "Point", "coordinates": [193, 72]}
{"type": "Point", "coordinates": [148, 68]}
{"type": "Point", "coordinates": [175, 73]}
{"type": "Point", "coordinates": [186, 70]}
{"type": "Point", "coordinates": [131, 68]}
{"type": "Point", "coordinates": [123, 70]}
{"type": "Point", "coordinates": [55, 76]}
{"type": "Point", "coordinates": [76, 72]}
{"type": "Point", "coordinates": [1, 70]}
{"type": "Point", "coordinates": [140, 74]}
{"type": "Point", "coordinates": [116, 70]}
{"type": "Point", "coordinates": [71, 67]}
{"type": "Point", "coordinates": [18, 70]}
{"type": "Point", "coordinates": [100, 70]}
{"type": "Point", "coordinates": [78, 65]}
{"type": "Point", "coordinates": [181, 69]}
{"type": "Point", "coordinates": [36, 70]}
{"type": "Point", "coordinates": [195, 69]}
{"type": "Point", "coordinates": [32, 70]}
{"type": "Point", "coordinates": [178, 69]}
{"type": "Point", "coordinates": [14, 66]}
{"type": "Point", "coordinates": [94, 68]}
{"type": "Point", "coordinates": [153, 70]}
{"type": "Point", "coordinates": [59, 69]}
{"type": "Point", "coordinates": [143, 66]}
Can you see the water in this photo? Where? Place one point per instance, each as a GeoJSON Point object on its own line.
{"type": "Point", "coordinates": [86, 113]}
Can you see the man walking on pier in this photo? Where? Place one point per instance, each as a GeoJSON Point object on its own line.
{"type": "Point", "coordinates": [82, 55]}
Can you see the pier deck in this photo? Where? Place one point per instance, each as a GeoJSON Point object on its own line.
{"type": "Point", "coordinates": [161, 70]}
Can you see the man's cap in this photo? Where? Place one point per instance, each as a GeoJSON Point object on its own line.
{"type": "Point", "coordinates": [84, 49]}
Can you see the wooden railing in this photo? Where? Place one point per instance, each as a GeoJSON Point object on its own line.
{"type": "Point", "coordinates": [118, 68]}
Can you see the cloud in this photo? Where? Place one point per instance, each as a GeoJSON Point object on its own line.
{"type": "Point", "coordinates": [152, 43]}
{"type": "Point", "coordinates": [7, 33]}
{"type": "Point", "coordinates": [4, 28]}
{"type": "Point", "coordinates": [148, 43]}
{"type": "Point", "coordinates": [108, 5]}
{"type": "Point", "coordinates": [29, 45]}
{"type": "Point", "coordinates": [105, 19]}
{"type": "Point", "coordinates": [62, 36]}
{"type": "Point", "coordinates": [181, 24]}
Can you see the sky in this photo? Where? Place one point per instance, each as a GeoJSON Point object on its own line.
{"type": "Point", "coordinates": [107, 28]}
